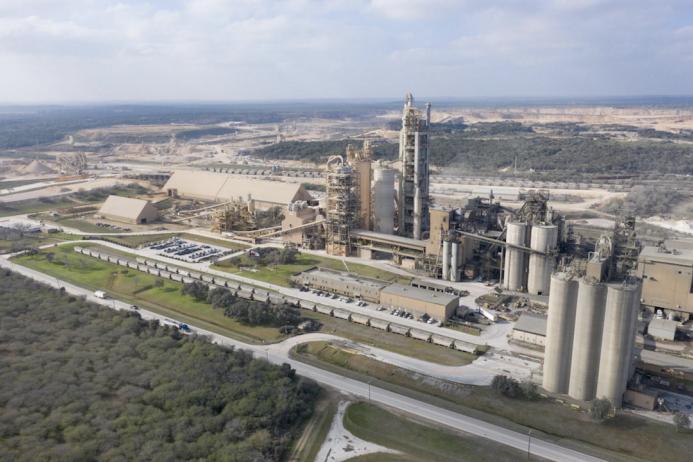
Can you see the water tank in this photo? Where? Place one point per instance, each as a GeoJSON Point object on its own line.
{"type": "Point", "coordinates": [587, 340]}
{"type": "Point", "coordinates": [618, 337]}
{"type": "Point", "coordinates": [544, 238]}
{"type": "Point", "coordinates": [446, 260]}
{"type": "Point", "coordinates": [383, 200]}
{"type": "Point", "coordinates": [515, 260]}
{"type": "Point", "coordinates": [559, 332]}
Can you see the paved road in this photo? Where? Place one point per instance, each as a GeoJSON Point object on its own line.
{"type": "Point", "coordinates": [435, 414]}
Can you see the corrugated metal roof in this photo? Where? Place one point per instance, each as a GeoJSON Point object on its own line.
{"type": "Point", "coordinates": [532, 323]}
{"type": "Point", "coordinates": [682, 257]}
{"type": "Point", "coordinates": [221, 187]}
{"type": "Point", "coordinates": [415, 293]}
{"type": "Point", "coordinates": [125, 207]}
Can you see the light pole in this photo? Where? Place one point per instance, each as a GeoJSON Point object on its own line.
{"type": "Point", "coordinates": [529, 443]}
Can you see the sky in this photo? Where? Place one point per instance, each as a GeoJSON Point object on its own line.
{"type": "Point", "coordinates": [74, 51]}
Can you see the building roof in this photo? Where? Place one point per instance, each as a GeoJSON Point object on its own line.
{"type": "Point", "coordinates": [125, 207]}
{"type": "Point", "coordinates": [221, 187]}
{"type": "Point", "coordinates": [662, 328]}
{"type": "Point", "coordinates": [682, 257]}
{"type": "Point", "coordinates": [346, 278]}
{"type": "Point", "coordinates": [422, 295]}
{"type": "Point", "coordinates": [531, 323]}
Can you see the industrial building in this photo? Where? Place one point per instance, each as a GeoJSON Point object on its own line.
{"type": "Point", "coordinates": [128, 210]}
{"type": "Point", "coordinates": [413, 188]}
{"type": "Point", "coordinates": [662, 329]}
{"type": "Point", "coordinates": [530, 328]}
{"type": "Point", "coordinates": [297, 228]}
{"type": "Point", "coordinates": [220, 187]}
{"type": "Point", "coordinates": [340, 283]}
{"type": "Point", "coordinates": [667, 280]}
{"type": "Point", "coordinates": [417, 301]}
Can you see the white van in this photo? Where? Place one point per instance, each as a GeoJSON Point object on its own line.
{"type": "Point", "coordinates": [100, 294]}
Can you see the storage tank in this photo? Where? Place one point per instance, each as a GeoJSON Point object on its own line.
{"type": "Point", "coordinates": [618, 337]}
{"type": "Point", "coordinates": [544, 238]}
{"type": "Point", "coordinates": [454, 261]}
{"type": "Point", "coordinates": [383, 200]}
{"type": "Point", "coordinates": [515, 260]}
{"type": "Point", "coordinates": [446, 260]}
{"type": "Point", "coordinates": [559, 332]}
{"type": "Point", "coordinates": [587, 340]}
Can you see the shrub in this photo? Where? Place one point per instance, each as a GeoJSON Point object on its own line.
{"type": "Point", "coordinates": [600, 409]}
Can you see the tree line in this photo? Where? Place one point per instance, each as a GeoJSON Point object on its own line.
{"type": "Point", "coordinates": [83, 382]}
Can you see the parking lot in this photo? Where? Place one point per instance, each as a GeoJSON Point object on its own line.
{"type": "Point", "coordinates": [393, 311]}
{"type": "Point", "coordinates": [188, 251]}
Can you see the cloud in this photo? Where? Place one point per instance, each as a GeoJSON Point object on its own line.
{"type": "Point", "coordinates": [264, 49]}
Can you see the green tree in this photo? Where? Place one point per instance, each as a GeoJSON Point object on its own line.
{"type": "Point", "coordinates": [600, 409]}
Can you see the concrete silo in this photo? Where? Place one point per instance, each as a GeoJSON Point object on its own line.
{"type": "Point", "coordinates": [383, 200]}
{"type": "Point", "coordinates": [455, 257]}
{"type": "Point", "coordinates": [446, 260]}
{"type": "Point", "coordinates": [544, 238]}
{"type": "Point", "coordinates": [559, 332]}
{"type": "Point", "coordinates": [515, 260]}
{"type": "Point", "coordinates": [587, 340]}
{"type": "Point", "coordinates": [618, 337]}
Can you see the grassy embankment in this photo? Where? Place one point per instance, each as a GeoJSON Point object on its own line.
{"type": "Point", "coordinates": [307, 446]}
{"type": "Point", "coordinates": [280, 274]}
{"type": "Point", "coordinates": [623, 438]}
{"type": "Point", "coordinates": [419, 442]}
{"type": "Point", "coordinates": [141, 289]}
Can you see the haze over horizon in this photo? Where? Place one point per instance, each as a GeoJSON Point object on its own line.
{"type": "Point", "coordinates": [77, 51]}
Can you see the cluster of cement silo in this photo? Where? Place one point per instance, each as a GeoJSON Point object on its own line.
{"type": "Point", "coordinates": [529, 257]}
{"type": "Point", "coordinates": [452, 257]}
{"type": "Point", "coordinates": [590, 335]}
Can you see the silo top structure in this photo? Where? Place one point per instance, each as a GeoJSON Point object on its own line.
{"type": "Point", "coordinates": [414, 178]}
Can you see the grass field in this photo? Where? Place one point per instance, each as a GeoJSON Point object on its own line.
{"type": "Point", "coordinates": [34, 240]}
{"type": "Point", "coordinates": [6, 184]}
{"type": "Point", "coordinates": [389, 341]}
{"type": "Point", "coordinates": [420, 442]}
{"type": "Point", "coordinates": [141, 289]}
{"type": "Point", "coordinates": [625, 438]}
{"type": "Point", "coordinates": [280, 274]}
{"type": "Point", "coordinates": [34, 206]}
{"type": "Point", "coordinates": [81, 225]}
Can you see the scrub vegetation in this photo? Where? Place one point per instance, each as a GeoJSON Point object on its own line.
{"type": "Point", "coordinates": [82, 382]}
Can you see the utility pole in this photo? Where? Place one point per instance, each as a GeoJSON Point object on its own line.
{"type": "Point", "coordinates": [529, 444]}
{"type": "Point", "coordinates": [369, 390]}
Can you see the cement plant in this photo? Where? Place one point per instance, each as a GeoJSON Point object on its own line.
{"type": "Point", "coordinates": [470, 285]}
